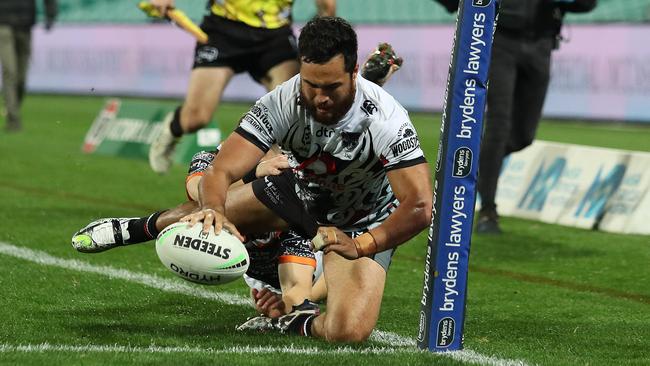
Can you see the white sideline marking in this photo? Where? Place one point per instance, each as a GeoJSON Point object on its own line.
{"type": "Point", "coordinates": [46, 347]}
{"type": "Point", "coordinates": [387, 338]}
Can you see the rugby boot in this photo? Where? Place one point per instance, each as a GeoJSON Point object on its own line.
{"type": "Point", "coordinates": [299, 320]}
{"type": "Point", "coordinates": [102, 235]}
{"type": "Point", "coordinates": [381, 64]}
{"type": "Point", "coordinates": [162, 148]}
{"type": "Point", "coordinates": [259, 323]}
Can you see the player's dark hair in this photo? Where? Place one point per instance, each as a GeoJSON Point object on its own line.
{"type": "Point", "coordinates": [325, 37]}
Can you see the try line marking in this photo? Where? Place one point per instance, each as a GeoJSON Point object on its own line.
{"type": "Point", "coordinates": [390, 339]}
{"type": "Point", "coordinates": [116, 348]}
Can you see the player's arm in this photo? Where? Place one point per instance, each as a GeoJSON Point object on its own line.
{"type": "Point", "coordinates": [296, 283]}
{"type": "Point", "coordinates": [271, 164]}
{"type": "Point", "coordinates": [236, 157]}
{"type": "Point", "coordinates": [412, 187]}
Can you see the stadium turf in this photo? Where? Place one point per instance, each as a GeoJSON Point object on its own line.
{"type": "Point", "coordinates": [539, 294]}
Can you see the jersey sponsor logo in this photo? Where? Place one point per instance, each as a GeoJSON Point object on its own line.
{"type": "Point", "coordinates": [407, 141]}
{"type": "Point", "coordinates": [405, 145]}
{"type": "Point", "coordinates": [368, 107]}
{"type": "Point", "coordinates": [206, 54]}
{"type": "Point", "coordinates": [350, 140]}
{"type": "Point", "coordinates": [324, 132]}
{"type": "Point", "coordinates": [258, 117]}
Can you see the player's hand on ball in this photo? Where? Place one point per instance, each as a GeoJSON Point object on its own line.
{"type": "Point", "coordinates": [272, 166]}
{"type": "Point", "coordinates": [212, 218]}
{"type": "Point", "coordinates": [330, 239]}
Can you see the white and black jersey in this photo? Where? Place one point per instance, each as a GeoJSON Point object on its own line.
{"type": "Point", "coordinates": [340, 169]}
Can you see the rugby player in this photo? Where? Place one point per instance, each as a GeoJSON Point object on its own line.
{"type": "Point", "coordinates": [377, 157]}
{"type": "Point", "coordinates": [253, 36]}
{"type": "Point", "coordinates": [282, 264]}
{"type": "Point", "coordinates": [360, 179]}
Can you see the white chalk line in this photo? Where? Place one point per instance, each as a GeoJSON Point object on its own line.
{"type": "Point", "coordinates": [391, 339]}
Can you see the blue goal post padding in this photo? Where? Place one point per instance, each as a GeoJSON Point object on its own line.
{"type": "Point", "coordinates": [454, 191]}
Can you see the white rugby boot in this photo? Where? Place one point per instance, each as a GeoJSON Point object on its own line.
{"type": "Point", "coordinates": [162, 148]}
{"type": "Point", "coordinates": [259, 323]}
{"type": "Point", "coordinates": [101, 235]}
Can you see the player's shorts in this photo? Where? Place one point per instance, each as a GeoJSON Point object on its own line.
{"type": "Point", "coordinates": [244, 48]}
{"type": "Point", "coordinates": [269, 251]}
{"type": "Point", "coordinates": [278, 193]}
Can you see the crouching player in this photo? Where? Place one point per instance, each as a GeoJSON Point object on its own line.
{"type": "Point", "coordinates": [283, 271]}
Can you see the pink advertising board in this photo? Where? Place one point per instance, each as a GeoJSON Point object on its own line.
{"type": "Point", "coordinates": [601, 72]}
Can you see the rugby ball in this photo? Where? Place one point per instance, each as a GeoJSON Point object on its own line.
{"type": "Point", "coordinates": [200, 257]}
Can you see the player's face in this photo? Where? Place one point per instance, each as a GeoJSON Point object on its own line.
{"type": "Point", "coordinates": [327, 90]}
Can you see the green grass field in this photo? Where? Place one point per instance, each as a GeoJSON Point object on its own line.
{"type": "Point", "coordinates": [539, 294]}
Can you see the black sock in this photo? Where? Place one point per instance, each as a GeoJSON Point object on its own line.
{"type": "Point", "coordinates": [143, 229]}
{"type": "Point", "coordinates": [175, 126]}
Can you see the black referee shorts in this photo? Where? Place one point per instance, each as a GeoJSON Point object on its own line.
{"type": "Point", "coordinates": [244, 48]}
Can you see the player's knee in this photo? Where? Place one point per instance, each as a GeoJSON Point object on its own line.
{"type": "Point", "coordinates": [348, 335]}
{"type": "Point", "coordinates": [348, 330]}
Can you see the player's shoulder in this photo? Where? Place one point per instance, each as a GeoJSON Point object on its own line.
{"type": "Point", "coordinates": [288, 90]}
{"type": "Point", "coordinates": [378, 104]}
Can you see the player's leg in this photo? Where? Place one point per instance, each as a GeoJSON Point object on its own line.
{"type": "Point", "coordinates": [319, 289]}
{"type": "Point", "coordinates": [203, 96]}
{"type": "Point", "coordinates": [280, 73]}
{"type": "Point", "coordinates": [381, 64]}
{"type": "Point", "coordinates": [354, 293]}
{"type": "Point", "coordinates": [275, 58]}
{"type": "Point", "coordinates": [9, 61]}
{"type": "Point", "coordinates": [243, 209]}
{"type": "Point", "coordinates": [498, 125]}
{"type": "Point", "coordinates": [296, 283]}
{"type": "Point", "coordinates": [103, 234]}
{"type": "Point", "coordinates": [531, 92]}
{"type": "Point", "coordinates": [204, 93]}
{"type": "Point", "coordinates": [23, 51]}
{"type": "Point", "coordinates": [296, 269]}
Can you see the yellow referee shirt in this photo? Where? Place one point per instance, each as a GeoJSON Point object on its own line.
{"type": "Point", "coordinates": [270, 14]}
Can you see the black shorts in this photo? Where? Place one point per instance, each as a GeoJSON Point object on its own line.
{"type": "Point", "coordinates": [278, 193]}
{"type": "Point", "coordinates": [244, 48]}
